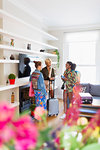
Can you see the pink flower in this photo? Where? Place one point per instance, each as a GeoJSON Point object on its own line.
{"type": "Point", "coordinates": [26, 133]}
{"type": "Point", "coordinates": [57, 141]}
{"type": "Point", "coordinates": [24, 144]}
{"type": "Point", "coordinates": [6, 134]}
{"type": "Point", "coordinates": [97, 118]}
{"type": "Point", "coordinates": [72, 116]}
{"type": "Point", "coordinates": [94, 122]}
{"type": "Point", "coordinates": [39, 112]}
{"type": "Point", "coordinates": [22, 120]}
{"type": "Point", "coordinates": [6, 114]}
{"type": "Point", "coordinates": [76, 101]}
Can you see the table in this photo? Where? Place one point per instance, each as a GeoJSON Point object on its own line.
{"type": "Point", "coordinates": [88, 110]}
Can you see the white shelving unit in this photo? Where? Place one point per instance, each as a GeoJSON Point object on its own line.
{"type": "Point", "coordinates": [22, 81]}
{"type": "Point", "coordinates": [54, 63]}
{"type": "Point", "coordinates": [9, 61]}
{"type": "Point", "coordinates": [18, 83]}
{"type": "Point", "coordinates": [10, 48]}
{"type": "Point", "coordinates": [6, 15]}
{"type": "Point", "coordinates": [15, 104]}
{"type": "Point", "coordinates": [12, 35]}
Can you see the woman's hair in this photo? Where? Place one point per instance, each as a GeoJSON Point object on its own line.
{"type": "Point", "coordinates": [26, 60]}
{"type": "Point", "coordinates": [48, 60]}
{"type": "Point", "coordinates": [73, 67]}
{"type": "Point", "coordinates": [70, 63]}
{"type": "Point", "coordinates": [37, 63]}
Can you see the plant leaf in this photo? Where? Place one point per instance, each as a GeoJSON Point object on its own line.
{"type": "Point", "coordinates": [94, 146]}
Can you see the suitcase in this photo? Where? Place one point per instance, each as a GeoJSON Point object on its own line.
{"type": "Point", "coordinates": [52, 102]}
{"type": "Point", "coordinates": [86, 98]}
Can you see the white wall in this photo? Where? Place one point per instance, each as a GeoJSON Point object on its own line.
{"type": "Point", "coordinates": [22, 30]}
{"type": "Point", "coordinates": [98, 60]}
{"type": "Point", "coordinates": [59, 33]}
{"type": "Point", "coordinates": [59, 44]}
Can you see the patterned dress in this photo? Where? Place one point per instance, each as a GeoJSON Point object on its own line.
{"type": "Point", "coordinates": [39, 89]}
{"type": "Point", "coordinates": [71, 80]}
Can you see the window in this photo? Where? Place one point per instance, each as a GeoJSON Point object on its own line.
{"type": "Point", "coordinates": [82, 51]}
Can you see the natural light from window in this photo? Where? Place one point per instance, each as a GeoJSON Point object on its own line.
{"type": "Point", "coordinates": [82, 52]}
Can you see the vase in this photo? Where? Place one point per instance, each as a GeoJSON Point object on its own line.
{"type": "Point", "coordinates": [12, 81]}
{"type": "Point", "coordinates": [32, 113]}
{"type": "Point", "coordinates": [12, 42]}
{"type": "Point", "coordinates": [29, 46]}
{"type": "Point", "coordinates": [12, 57]}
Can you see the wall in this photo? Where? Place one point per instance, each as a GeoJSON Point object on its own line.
{"type": "Point", "coordinates": [59, 33]}
{"type": "Point", "coordinates": [59, 44]}
{"type": "Point", "coordinates": [22, 30]}
{"type": "Point", "coordinates": [98, 60]}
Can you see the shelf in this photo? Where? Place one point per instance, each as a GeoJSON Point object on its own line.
{"type": "Point", "coordinates": [25, 50]}
{"type": "Point", "coordinates": [13, 35]}
{"type": "Point", "coordinates": [15, 104]}
{"type": "Point", "coordinates": [8, 61]}
{"type": "Point", "coordinates": [6, 15]}
{"type": "Point", "coordinates": [18, 83]}
{"type": "Point", "coordinates": [54, 63]}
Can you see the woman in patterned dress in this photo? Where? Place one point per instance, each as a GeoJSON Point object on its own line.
{"type": "Point", "coordinates": [70, 80]}
{"type": "Point", "coordinates": [39, 86]}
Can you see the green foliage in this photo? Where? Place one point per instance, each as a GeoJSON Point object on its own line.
{"type": "Point", "coordinates": [32, 107]}
{"type": "Point", "coordinates": [58, 57]}
{"type": "Point", "coordinates": [11, 76]}
{"type": "Point", "coordinates": [43, 137]}
{"type": "Point", "coordinates": [94, 146]}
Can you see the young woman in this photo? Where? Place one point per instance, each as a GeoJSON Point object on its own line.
{"type": "Point", "coordinates": [78, 74]}
{"type": "Point", "coordinates": [70, 79]}
{"type": "Point", "coordinates": [39, 86]}
{"type": "Point", "coordinates": [48, 74]}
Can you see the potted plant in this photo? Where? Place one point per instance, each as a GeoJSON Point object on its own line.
{"type": "Point", "coordinates": [58, 56]}
{"type": "Point", "coordinates": [11, 78]}
{"type": "Point", "coordinates": [32, 108]}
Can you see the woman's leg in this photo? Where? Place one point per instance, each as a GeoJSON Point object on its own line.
{"type": "Point", "coordinates": [65, 95]}
{"type": "Point", "coordinates": [64, 104]}
{"type": "Point", "coordinates": [40, 100]}
{"type": "Point", "coordinates": [70, 94]}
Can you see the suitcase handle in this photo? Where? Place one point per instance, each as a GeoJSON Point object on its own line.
{"type": "Point", "coordinates": [53, 83]}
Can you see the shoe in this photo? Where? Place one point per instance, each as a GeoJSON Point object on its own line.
{"type": "Point", "coordinates": [63, 116]}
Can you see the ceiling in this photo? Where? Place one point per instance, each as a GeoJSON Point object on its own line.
{"type": "Point", "coordinates": [66, 13]}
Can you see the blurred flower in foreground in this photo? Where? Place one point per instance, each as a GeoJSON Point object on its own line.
{"type": "Point", "coordinates": [72, 116]}
{"type": "Point", "coordinates": [82, 121]}
{"type": "Point", "coordinates": [91, 127]}
{"type": "Point", "coordinates": [26, 133]}
{"type": "Point", "coordinates": [40, 113]}
{"type": "Point", "coordinates": [21, 134]}
{"type": "Point", "coordinates": [6, 114]}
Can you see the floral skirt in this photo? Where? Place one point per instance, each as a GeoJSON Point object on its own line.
{"type": "Point", "coordinates": [40, 99]}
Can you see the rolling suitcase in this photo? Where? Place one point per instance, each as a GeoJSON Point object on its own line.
{"type": "Point", "coordinates": [52, 102]}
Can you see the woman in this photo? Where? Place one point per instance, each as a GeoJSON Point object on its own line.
{"type": "Point", "coordinates": [78, 74]}
{"type": "Point", "coordinates": [70, 79]}
{"type": "Point", "coordinates": [39, 86]}
{"type": "Point", "coordinates": [48, 73]}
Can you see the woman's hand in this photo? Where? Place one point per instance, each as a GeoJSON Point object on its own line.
{"type": "Point", "coordinates": [64, 79]}
{"type": "Point", "coordinates": [52, 78]}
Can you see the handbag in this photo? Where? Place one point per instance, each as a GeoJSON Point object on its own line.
{"type": "Point", "coordinates": [31, 91]}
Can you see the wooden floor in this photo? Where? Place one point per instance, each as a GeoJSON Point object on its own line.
{"type": "Point", "coordinates": [55, 120]}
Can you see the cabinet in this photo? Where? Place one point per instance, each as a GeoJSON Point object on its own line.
{"type": "Point", "coordinates": [12, 27]}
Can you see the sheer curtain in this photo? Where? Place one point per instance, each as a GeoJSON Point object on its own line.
{"type": "Point", "coordinates": [81, 48]}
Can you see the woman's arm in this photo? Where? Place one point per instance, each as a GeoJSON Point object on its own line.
{"type": "Point", "coordinates": [41, 83]}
